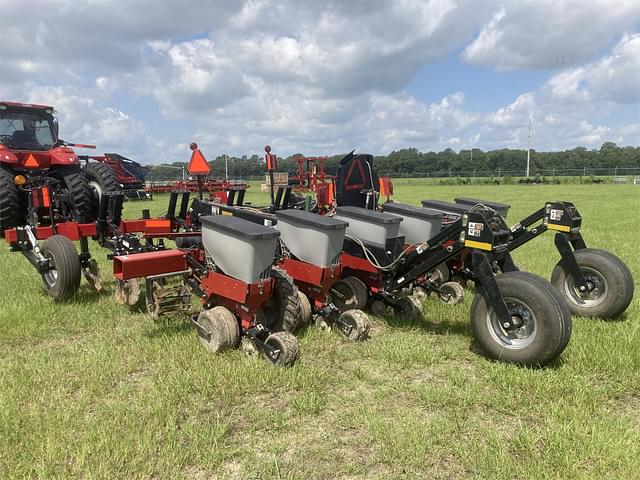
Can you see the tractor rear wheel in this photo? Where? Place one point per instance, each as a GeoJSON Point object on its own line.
{"type": "Point", "coordinates": [609, 281]}
{"type": "Point", "coordinates": [12, 209]}
{"type": "Point", "coordinates": [102, 179]}
{"type": "Point", "coordinates": [63, 279]}
{"type": "Point", "coordinates": [76, 185]}
{"type": "Point", "coordinates": [282, 311]}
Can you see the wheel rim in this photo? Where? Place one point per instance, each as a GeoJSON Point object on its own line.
{"type": "Point", "coordinates": [518, 338]}
{"type": "Point", "coordinates": [51, 276]}
{"type": "Point", "coordinates": [596, 292]}
{"type": "Point", "coordinates": [352, 330]}
{"type": "Point", "coordinates": [96, 189]}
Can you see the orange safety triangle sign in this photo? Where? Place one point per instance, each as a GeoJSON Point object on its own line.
{"type": "Point", "coordinates": [198, 164]}
{"type": "Point", "coordinates": [31, 162]}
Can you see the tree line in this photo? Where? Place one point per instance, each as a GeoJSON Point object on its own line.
{"type": "Point", "coordinates": [410, 161]}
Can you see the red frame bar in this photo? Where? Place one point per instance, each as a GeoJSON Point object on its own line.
{"type": "Point", "coordinates": [72, 230]}
{"type": "Point", "coordinates": [314, 281]}
{"type": "Point", "coordinates": [126, 267]}
{"type": "Point", "coordinates": [242, 298]}
{"type": "Point", "coordinates": [362, 269]}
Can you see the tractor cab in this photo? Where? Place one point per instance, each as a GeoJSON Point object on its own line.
{"type": "Point", "coordinates": [27, 127]}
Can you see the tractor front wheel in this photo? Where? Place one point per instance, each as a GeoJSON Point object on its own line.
{"type": "Point", "coordinates": [62, 280]}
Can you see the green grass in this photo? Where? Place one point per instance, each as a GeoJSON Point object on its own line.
{"type": "Point", "coordinates": [89, 389]}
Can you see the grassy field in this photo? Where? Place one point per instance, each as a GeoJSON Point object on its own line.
{"type": "Point", "coordinates": [89, 389]}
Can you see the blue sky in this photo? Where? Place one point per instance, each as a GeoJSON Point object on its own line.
{"type": "Point", "coordinates": [146, 77]}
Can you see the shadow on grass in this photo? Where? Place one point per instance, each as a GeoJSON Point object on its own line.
{"type": "Point", "coordinates": [174, 325]}
{"type": "Point", "coordinates": [427, 325]}
{"type": "Point", "coordinates": [555, 364]}
{"type": "Point", "coordinates": [86, 295]}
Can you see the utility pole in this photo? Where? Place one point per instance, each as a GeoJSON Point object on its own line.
{"type": "Point", "coordinates": [529, 147]}
{"type": "Point", "coordinates": [226, 167]}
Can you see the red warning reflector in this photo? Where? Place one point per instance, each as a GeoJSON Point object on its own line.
{"type": "Point", "coordinates": [198, 164]}
{"type": "Point", "coordinates": [31, 162]}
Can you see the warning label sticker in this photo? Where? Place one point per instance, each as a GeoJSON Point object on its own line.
{"type": "Point", "coordinates": [556, 214]}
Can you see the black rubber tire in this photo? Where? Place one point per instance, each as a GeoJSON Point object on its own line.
{"type": "Point", "coordinates": [354, 291]}
{"type": "Point", "coordinates": [552, 321]}
{"type": "Point", "coordinates": [359, 322]}
{"type": "Point", "coordinates": [102, 179]}
{"type": "Point", "coordinates": [223, 327]}
{"type": "Point", "coordinates": [305, 308]}
{"type": "Point", "coordinates": [288, 346]}
{"type": "Point", "coordinates": [13, 211]}
{"type": "Point", "coordinates": [76, 183]}
{"type": "Point", "coordinates": [618, 279]}
{"type": "Point", "coordinates": [63, 281]}
{"type": "Point", "coordinates": [565, 314]}
{"type": "Point", "coordinates": [408, 308]}
{"type": "Point", "coordinates": [282, 311]}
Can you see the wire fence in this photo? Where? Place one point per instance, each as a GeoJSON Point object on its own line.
{"type": "Point", "coordinates": [499, 173]}
{"type": "Point", "coordinates": [614, 174]}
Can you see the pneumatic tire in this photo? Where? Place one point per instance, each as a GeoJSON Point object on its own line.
{"type": "Point", "coordinates": [102, 179]}
{"type": "Point", "coordinates": [286, 346]}
{"type": "Point", "coordinates": [610, 280]}
{"type": "Point", "coordinates": [348, 293]}
{"type": "Point", "coordinates": [222, 325]}
{"type": "Point", "coordinates": [76, 184]}
{"type": "Point", "coordinates": [546, 322]}
{"type": "Point", "coordinates": [63, 280]}
{"type": "Point", "coordinates": [13, 211]}
{"type": "Point", "coordinates": [282, 311]}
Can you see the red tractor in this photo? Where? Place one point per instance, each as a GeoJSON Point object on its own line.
{"type": "Point", "coordinates": [42, 181]}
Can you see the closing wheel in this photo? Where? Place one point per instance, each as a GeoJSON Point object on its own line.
{"type": "Point", "coordinates": [542, 323]}
{"type": "Point", "coordinates": [222, 327]}
{"type": "Point", "coordinates": [452, 293]}
{"type": "Point", "coordinates": [408, 307]}
{"type": "Point", "coordinates": [286, 349]}
{"type": "Point", "coordinates": [608, 280]}
{"type": "Point", "coordinates": [305, 308]}
{"type": "Point", "coordinates": [358, 325]}
{"type": "Point", "coordinates": [63, 279]}
{"type": "Point", "coordinates": [282, 311]}
{"type": "Point", "coordinates": [350, 292]}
